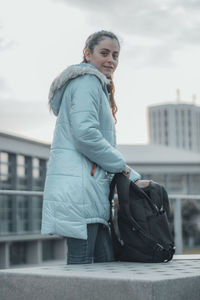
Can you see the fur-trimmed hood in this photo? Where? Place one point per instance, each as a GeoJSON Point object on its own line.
{"type": "Point", "coordinates": [59, 84]}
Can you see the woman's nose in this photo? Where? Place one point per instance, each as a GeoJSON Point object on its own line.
{"type": "Point", "coordinates": [110, 58]}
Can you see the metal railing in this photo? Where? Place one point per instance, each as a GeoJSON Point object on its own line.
{"type": "Point", "coordinates": [20, 225]}
{"type": "Point", "coordinates": [178, 235]}
{"type": "Point", "coordinates": [177, 211]}
{"type": "Point", "coordinates": [20, 193]}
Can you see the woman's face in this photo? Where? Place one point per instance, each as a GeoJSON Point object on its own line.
{"type": "Point", "coordinates": [104, 56]}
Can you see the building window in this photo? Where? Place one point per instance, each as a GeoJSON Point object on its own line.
{"type": "Point", "coordinates": [166, 138]}
{"type": "Point", "coordinates": [177, 118]}
{"type": "Point", "coordinates": [166, 117]}
{"type": "Point", "coordinates": [189, 118]}
{"type": "Point", "coordinates": [36, 167]}
{"type": "Point", "coordinates": [4, 166]}
{"type": "Point", "coordinates": [183, 118]}
{"type": "Point", "coordinates": [37, 213]}
{"type": "Point", "coordinates": [195, 184]}
{"type": "Point", "coordinates": [20, 166]}
{"type": "Point", "coordinates": [18, 253]}
{"type": "Point", "coordinates": [177, 138]}
{"type": "Point", "coordinates": [177, 183]}
{"type": "Point", "coordinates": [3, 157]}
{"type": "Point", "coordinates": [5, 214]}
{"type": "Point", "coordinates": [48, 250]}
{"type": "Point", "coordinates": [22, 178]}
{"type": "Point", "coordinates": [177, 127]}
{"type": "Point", "coordinates": [39, 173]}
{"type": "Point", "coordinates": [159, 178]}
{"type": "Point", "coordinates": [159, 128]}
{"type": "Point", "coordinates": [22, 214]}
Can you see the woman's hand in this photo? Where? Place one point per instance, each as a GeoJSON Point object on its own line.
{"type": "Point", "coordinates": [142, 183]}
{"type": "Point", "coordinates": [127, 172]}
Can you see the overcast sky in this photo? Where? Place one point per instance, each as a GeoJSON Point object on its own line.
{"type": "Point", "coordinates": [160, 52]}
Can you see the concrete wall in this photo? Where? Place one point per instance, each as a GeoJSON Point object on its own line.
{"type": "Point", "coordinates": [175, 280]}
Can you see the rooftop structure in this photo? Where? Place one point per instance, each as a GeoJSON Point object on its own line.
{"type": "Point", "coordinates": [175, 125]}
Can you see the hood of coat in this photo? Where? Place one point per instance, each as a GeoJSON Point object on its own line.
{"type": "Point", "coordinates": [60, 83]}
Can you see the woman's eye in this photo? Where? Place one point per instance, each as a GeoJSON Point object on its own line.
{"type": "Point", "coordinates": [115, 57]}
{"type": "Point", "coordinates": [104, 53]}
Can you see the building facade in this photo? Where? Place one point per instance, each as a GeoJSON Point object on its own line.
{"type": "Point", "coordinates": [23, 165]}
{"type": "Point", "coordinates": [176, 169]}
{"type": "Point", "coordinates": [175, 125]}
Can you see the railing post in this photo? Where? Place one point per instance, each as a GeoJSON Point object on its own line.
{"type": "Point", "coordinates": [178, 226]}
{"type": "Point", "coordinates": [4, 255]}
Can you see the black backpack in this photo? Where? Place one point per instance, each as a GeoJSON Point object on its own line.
{"type": "Point", "coordinates": [140, 222]}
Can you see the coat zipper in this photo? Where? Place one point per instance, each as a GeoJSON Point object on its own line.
{"type": "Point", "coordinates": [93, 169]}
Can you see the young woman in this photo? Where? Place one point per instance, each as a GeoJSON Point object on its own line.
{"type": "Point", "coordinates": [83, 156]}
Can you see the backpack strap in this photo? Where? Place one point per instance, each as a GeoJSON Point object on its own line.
{"type": "Point", "coordinates": [112, 188]}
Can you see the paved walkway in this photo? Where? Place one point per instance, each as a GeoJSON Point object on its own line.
{"type": "Point", "coordinates": [178, 279]}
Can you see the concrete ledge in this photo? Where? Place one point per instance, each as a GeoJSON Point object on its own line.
{"type": "Point", "coordinates": [178, 279]}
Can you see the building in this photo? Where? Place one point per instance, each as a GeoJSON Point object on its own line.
{"type": "Point", "coordinates": [175, 125]}
{"type": "Point", "coordinates": [178, 170]}
{"type": "Point", "coordinates": [23, 167]}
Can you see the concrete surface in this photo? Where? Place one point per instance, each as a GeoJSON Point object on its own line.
{"type": "Point", "coordinates": [178, 279]}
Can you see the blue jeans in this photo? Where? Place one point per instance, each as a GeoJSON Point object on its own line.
{"type": "Point", "coordinates": [97, 248]}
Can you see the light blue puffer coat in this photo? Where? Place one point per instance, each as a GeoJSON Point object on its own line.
{"type": "Point", "coordinates": [84, 134]}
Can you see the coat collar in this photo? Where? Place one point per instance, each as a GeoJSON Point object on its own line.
{"type": "Point", "coordinates": [74, 71]}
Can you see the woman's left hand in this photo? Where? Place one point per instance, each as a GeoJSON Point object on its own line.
{"type": "Point", "coordinates": [127, 172]}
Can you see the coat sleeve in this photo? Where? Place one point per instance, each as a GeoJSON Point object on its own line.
{"type": "Point", "coordinates": [84, 119]}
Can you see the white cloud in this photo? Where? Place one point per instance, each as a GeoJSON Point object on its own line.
{"type": "Point", "coordinates": [173, 24]}
{"type": "Point", "coordinates": [160, 52]}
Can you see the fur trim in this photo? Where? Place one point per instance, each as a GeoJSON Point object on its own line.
{"type": "Point", "coordinates": [72, 72]}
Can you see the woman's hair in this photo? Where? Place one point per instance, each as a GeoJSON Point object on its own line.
{"type": "Point", "coordinates": [91, 42]}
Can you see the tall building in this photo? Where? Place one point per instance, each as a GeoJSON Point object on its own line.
{"type": "Point", "coordinates": [175, 125]}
